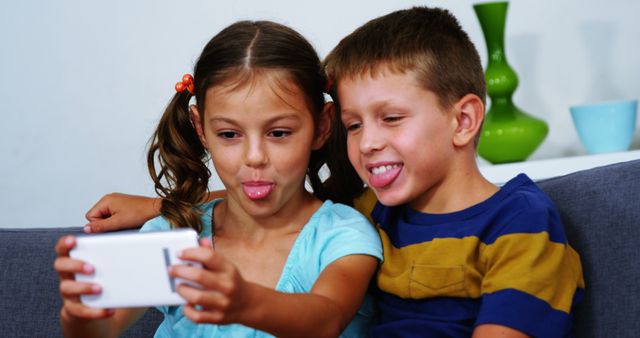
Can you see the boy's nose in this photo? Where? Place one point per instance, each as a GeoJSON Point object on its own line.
{"type": "Point", "coordinates": [370, 140]}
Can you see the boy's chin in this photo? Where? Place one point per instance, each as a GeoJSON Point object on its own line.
{"type": "Point", "coordinates": [390, 198]}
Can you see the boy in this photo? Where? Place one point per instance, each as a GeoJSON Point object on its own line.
{"type": "Point", "coordinates": [461, 256]}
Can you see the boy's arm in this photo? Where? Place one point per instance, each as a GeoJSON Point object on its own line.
{"type": "Point", "coordinates": [530, 269]}
{"type": "Point", "coordinates": [118, 211]}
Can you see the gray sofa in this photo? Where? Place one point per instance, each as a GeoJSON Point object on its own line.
{"type": "Point", "coordinates": [600, 208]}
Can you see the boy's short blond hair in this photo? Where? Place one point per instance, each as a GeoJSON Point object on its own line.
{"type": "Point", "coordinates": [428, 42]}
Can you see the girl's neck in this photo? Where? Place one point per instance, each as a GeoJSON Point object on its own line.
{"type": "Point", "coordinates": [231, 220]}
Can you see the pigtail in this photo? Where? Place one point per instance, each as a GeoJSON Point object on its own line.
{"type": "Point", "coordinates": [344, 180]}
{"type": "Point", "coordinates": [182, 178]}
{"type": "Point", "coordinates": [343, 184]}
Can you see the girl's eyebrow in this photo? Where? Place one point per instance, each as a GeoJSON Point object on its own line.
{"type": "Point", "coordinates": [293, 116]}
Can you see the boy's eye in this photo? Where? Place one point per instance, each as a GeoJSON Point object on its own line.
{"type": "Point", "coordinates": [279, 133]}
{"type": "Point", "coordinates": [228, 134]}
{"type": "Point", "coordinates": [392, 118]}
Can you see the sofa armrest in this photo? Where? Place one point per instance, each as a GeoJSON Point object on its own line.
{"type": "Point", "coordinates": [29, 286]}
{"type": "Point", "coordinates": [600, 209]}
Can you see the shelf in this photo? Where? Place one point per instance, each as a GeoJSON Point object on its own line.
{"type": "Point", "coordinates": [541, 169]}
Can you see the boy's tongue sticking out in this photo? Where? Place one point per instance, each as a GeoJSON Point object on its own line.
{"type": "Point", "coordinates": [383, 175]}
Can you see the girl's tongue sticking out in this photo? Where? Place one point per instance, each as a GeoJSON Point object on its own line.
{"type": "Point", "coordinates": [257, 190]}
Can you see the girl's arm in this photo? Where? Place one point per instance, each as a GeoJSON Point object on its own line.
{"type": "Point", "coordinates": [227, 298]}
{"type": "Point", "coordinates": [118, 211]}
{"type": "Point", "coordinates": [76, 319]}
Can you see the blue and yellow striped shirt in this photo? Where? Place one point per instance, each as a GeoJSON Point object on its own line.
{"type": "Point", "coordinates": [504, 261]}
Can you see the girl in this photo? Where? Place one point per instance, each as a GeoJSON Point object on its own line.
{"type": "Point", "coordinates": [285, 263]}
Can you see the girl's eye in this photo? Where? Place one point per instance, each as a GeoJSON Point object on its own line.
{"type": "Point", "coordinates": [279, 133]}
{"type": "Point", "coordinates": [352, 126]}
{"type": "Point", "coordinates": [227, 134]}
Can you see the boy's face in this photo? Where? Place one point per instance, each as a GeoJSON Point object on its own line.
{"type": "Point", "coordinates": [399, 138]}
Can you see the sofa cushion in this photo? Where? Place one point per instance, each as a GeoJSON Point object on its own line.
{"type": "Point", "coordinates": [29, 286]}
{"type": "Point", "coordinates": [601, 211]}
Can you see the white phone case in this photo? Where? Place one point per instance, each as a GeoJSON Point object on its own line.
{"type": "Point", "coordinates": [131, 267]}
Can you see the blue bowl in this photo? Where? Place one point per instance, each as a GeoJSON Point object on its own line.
{"type": "Point", "coordinates": [606, 126]}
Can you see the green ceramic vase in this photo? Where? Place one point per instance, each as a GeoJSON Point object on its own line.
{"type": "Point", "coordinates": [508, 134]}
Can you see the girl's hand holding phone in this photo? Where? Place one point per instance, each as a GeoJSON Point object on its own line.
{"type": "Point", "coordinates": [70, 289]}
{"type": "Point", "coordinates": [223, 297]}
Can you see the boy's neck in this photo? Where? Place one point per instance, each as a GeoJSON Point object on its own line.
{"type": "Point", "coordinates": [463, 187]}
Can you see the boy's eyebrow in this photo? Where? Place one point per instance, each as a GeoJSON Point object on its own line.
{"type": "Point", "coordinates": [376, 105]}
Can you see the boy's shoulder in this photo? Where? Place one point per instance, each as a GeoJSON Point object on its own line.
{"type": "Point", "coordinates": [518, 207]}
{"type": "Point", "coordinates": [522, 207]}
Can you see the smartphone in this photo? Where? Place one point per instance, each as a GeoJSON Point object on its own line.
{"type": "Point", "coordinates": [132, 267]}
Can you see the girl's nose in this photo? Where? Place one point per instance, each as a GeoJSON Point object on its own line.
{"type": "Point", "coordinates": [256, 154]}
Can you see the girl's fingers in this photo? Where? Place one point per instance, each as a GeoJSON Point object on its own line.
{"type": "Point", "coordinates": [208, 299]}
{"type": "Point", "coordinates": [198, 316]}
{"type": "Point", "coordinates": [67, 267]}
{"type": "Point", "coordinates": [70, 265]}
{"type": "Point", "coordinates": [78, 310]}
{"type": "Point", "coordinates": [206, 256]}
{"type": "Point", "coordinates": [64, 245]}
{"type": "Point", "coordinates": [73, 289]}
{"type": "Point", "coordinates": [206, 242]}
{"type": "Point", "coordinates": [207, 279]}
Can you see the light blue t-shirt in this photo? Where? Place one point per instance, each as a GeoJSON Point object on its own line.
{"type": "Point", "coordinates": [333, 231]}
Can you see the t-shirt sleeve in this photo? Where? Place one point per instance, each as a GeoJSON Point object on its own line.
{"type": "Point", "coordinates": [349, 233]}
{"type": "Point", "coordinates": [156, 224]}
{"type": "Point", "coordinates": [533, 276]}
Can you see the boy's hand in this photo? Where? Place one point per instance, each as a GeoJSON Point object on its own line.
{"type": "Point", "coordinates": [70, 290]}
{"type": "Point", "coordinates": [117, 211]}
{"type": "Point", "coordinates": [222, 298]}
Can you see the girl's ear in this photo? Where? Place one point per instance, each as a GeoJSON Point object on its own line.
{"type": "Point", "coordinates": [323, 129]}
{"type": "Point", "coordinates": [197, 124]}
{"type": "Point", "coordinates": [469, 114]}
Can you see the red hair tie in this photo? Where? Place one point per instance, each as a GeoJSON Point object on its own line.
{"type": "Point", "coordinates": [186, 83]}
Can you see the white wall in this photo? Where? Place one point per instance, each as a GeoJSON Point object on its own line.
{"type": "Point", "coordinates": [83, 82]}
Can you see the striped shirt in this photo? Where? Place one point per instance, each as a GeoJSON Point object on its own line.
{"type": "Point", "coordinates": [504, 261]}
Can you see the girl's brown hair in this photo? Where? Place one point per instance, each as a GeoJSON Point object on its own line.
{"type": "Point", "coordinates": [176, 158]}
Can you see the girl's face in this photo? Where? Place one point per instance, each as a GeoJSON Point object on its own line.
{"type": "Point", "coordinates": [260, 136]}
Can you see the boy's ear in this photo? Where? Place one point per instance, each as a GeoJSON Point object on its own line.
{"type": "Point", "coordinates": [195, 121]}
{"type": "Point", "coordinates": [469, 114]}
{"type": "Point", "coordinates": [323, 128]}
